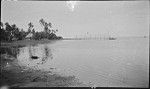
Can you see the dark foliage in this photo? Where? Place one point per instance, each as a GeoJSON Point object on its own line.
{"type": "Point", "coordinates": [12, 32]}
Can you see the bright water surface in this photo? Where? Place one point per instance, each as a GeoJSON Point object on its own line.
{"type": "Point", "coordinates": [106, 63]}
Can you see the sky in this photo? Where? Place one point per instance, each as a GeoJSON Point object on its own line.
{"type": "Point", "coordinates": [88, 18]}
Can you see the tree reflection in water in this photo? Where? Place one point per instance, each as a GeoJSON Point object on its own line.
{"type": "Point", "coordinates": [13, 51]}
{"type": "Point", "coordinates": [8, 55]}
{"type": "Point", "coordinates": [46, 54]}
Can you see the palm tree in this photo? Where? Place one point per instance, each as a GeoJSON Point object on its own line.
{"type": "Point", "coordinates": [33, 31]}
{"type": "Point", "coordinates": [45, 25]}
{"type": "Point", "coordinates": [30, 27]}
{"type": "Point", "coordinates": [8, 27]}
{"type": "Point", "coordinates": [8, 31]}
{"type": "Point", "coordinates": [15, 31]}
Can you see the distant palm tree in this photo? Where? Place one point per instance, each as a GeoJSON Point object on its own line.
{"type": "Point", "coordinates": [53, 31]}
{"type": "Point", "coordinates": [45, 25]}
{"type": "Point", "coordinates": [30, 27]}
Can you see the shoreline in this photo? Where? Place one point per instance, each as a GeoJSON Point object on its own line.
{"type": "Point", "coordinates": [19, 76]}
{"type": "Point", "coordinates": [14, 75]}
{"type": "Point", "coordinates": [26, 42]}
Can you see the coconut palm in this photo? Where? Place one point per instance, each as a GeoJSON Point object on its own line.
{"type": "Point", "coordinates": [45, 25]}
{"type": "Point", "coordinates": [30, 27]}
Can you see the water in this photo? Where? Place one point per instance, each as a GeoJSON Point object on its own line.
{"type": "Point", "coordinates": [103, 63]}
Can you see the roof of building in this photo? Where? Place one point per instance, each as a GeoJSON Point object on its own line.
{"type": "Point", "coordinates": [29, 35]}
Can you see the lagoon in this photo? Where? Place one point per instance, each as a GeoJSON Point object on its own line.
{"type": "Point", "coordinates": [101, 63]}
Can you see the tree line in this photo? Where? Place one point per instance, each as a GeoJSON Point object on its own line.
{"type": "Point", "coordinates": [12, 32]}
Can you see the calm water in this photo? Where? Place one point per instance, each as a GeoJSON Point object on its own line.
{"type": "Point", "coordinates": [106, 63]}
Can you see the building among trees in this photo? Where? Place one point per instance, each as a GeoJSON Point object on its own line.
{"type": "Point", "coordinates": [29, 36]}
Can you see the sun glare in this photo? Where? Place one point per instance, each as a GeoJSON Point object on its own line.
{"type": "Point", "coordinates": [71, 5]}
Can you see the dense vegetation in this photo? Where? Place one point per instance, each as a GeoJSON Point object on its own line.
{"type": "Point", "coordinates": [12, 32]}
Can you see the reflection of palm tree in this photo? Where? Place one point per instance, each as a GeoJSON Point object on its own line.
{"type": "Point", "coordinates": [48, 54]}
{"type": "Point", "coordinates": [31, 55]}
{"type": "Point", "coordinates": [46, 51]}
{"type": "Point", "coordinates": [12, 52]}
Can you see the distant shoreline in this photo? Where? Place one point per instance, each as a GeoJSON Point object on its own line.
{"type": "Point", "coordinates": [42, 41]}
{"type": "Point", "coordinates": [104, 38]}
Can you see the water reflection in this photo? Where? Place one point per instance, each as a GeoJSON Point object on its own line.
{"type": "Point", "coordinates": [47, 54]}
{"type": "Point", "coordinates": [8, 55]}
{"type": "Point", "coordinates": [15, 75]}
{"type": "Point", "coordinates": [33, 56]}
{"type": "Point", "coordinates": [13, 51]}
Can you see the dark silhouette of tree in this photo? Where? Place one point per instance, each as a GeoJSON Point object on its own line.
{"type": "Point", "coordinates": [8, 32]}
{"type": "Point", "coordinates": [3, 36]}
{"type": "Point", "coordinates": [45, 25]}
{"type": "Point", "coordinates": [22, 35]}
{"type": "Point", "coordinates": [30, 27]}
{"type": "Point", "coordinates": [15, 31]}
{"type": "Point", "coordinates": [53, 31]}
{"type": "Point", "coordinates": [33, 31]}
{"type": "Point", "coordinates": [12, 32]}
{"type": "Point", "coordinates": [2, 25]}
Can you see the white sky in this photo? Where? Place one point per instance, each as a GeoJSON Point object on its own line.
{"type": "Point", "coordinates": [116, 18]}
